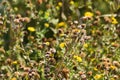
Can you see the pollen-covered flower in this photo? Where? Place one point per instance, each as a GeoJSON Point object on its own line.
{"type": "Point", "coordinates": [31, 29]}
{"type": "Point", "coordinates": [114, 21]}
{"type": "Point", "coordinates": [88, 14]}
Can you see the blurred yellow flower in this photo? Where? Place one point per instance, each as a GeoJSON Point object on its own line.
{"type": "Point", "coordinates": [47, 14]}
{"type": "Point", "coordinates": [88, 14]}
{"type": "Point", "coordinates": [15, 8]}
{"type": "Point", "coordinates": [95, 69]}
{"type": "Point", "coordinates": [57, 7]}
{"type": "Point", "coordinates": [113, 67]}
{"type": "Point", "coordinates": [112, 79]}
{"type": "Point", "coordinates": [97, 76]}
{"type": "Point", "coordinates": [79, 59]}
{"type": "Point", "coordinates": [46, 25]}
{"type": "Point", "coordinates": [114, 21]}
{"type": "Point", "coordinates": [60, 4]}
{"type": "Point", "coordinates": [31, 29]}
{"type": "Point", "coordinates": [14, 62]}
{"type": "Point", "coordinates": [13, 78]}
{"type": "Point", "coordinates": [62, 45]}
{"type": "Point", "coordinates": [62, 34]}
{"type": "Point", "coordinates": [76, 30]}
{"type": "Point", "coordinates": [93, 31]}
{"type": "Point", "coordinates": [71, 2]}
{"type": "Point", "coordinates": [85, 45]}
{"type": "Point", "coordinates": [47, 43]}
{"type": "Point", "coordinates": [61, 24]}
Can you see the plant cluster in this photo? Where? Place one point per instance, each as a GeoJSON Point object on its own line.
{"type": "Point", "coordinates": [59, 40]}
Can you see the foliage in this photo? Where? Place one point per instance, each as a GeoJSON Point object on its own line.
{"type": "Point", "coordinates": [59, 39]}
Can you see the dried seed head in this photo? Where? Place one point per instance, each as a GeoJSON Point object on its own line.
{"type": "Point", "coordinates": [4, 2]}
{"type": "Point", "coordinates": [95, 23]}
{"type": "Point", "coordinates": [107, 19]}
{"type": "Point", "coordinates": [89, 73]}
{"type": "Point", "coordinates": [48, 6]}
{"type": "Point", "coordinates": [98, 13]}
{"type": "Point", "coordinates": [116, 77]}
{"type": "Point", "coordinates": [28, 12]}
{"type": "Point", "coordinates": [116, 63]}
{"type": "Point", "coordinates": [8, 9]}
{"type": "Point", "coordinates": [27, 69]}
{"type": "Point", "coordinates": [1, 18]}
{"type": "Point", "coordinates": [8, 61]}
{"type": "Point", "coordinates": [16, 21]}
{"type": "Point", "coordinates": [18, 16]}
{"type": "Point", "coordinates": [40, 47]}
{"type": "Point", "coordinates": [83, 25]}
{"type": "Point", "coordinates": [27, 20]}
{"type": "Point", "coordinates": [83, 76]}
{"type": "Point", "coordinates": [81, 72]}
{"type": "Point", "coordinates": [83, 55]}
{"type": "Point", "coordinates": [65, 70]}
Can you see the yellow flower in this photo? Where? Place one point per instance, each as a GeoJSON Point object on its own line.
{"type": "Point", "coordinates": [47, 43]}
{"type": "Point", "coordinates": [93, 59]}
{"type": "Point", "coordinates": [62, 34]}
{"type": "Point", "coordinates": [93, 31]}
{"type": "Point", "coordinates": [14, 62]}
{"type": "Point", "coordinates": [60, 4]}
{"type": "Point", "coordinates": [95, 69]}
{"type": "Point", "coordinates": [76, 30]}
{"type": "Point", "coordinates": [97, 76]}
{"type": "Point", "coordinates": [57, 7]}
{"type": "Point", "coordinates": [31, 29]}
{"type": "Point", "coordinates": [47, 14]}
{"type": "Point", "coordinates": [113, 67]}
{"type": "Point", "coordinates": [13, 78]}
{"type": "Point", "coordinates": [112, 79]}
{"type": "Point", "coordinates": [85, 45]}
{"type": "Point", "coordinates": [71, 2]}
{"type": "Point", "coordinates": [75, 56]}
{"type": "Point", "coordinates": [15, 8]}
{"type": "Point", "coordinates": [62, 45]}
{"type": "Point", "coordinates": [88, 14]}
{"type": "Point", "coordinates": [114, 21]}
{"type": "Point", "coordinates": [46, 25]}
{"type": "Point", "coordinates": [61, 24]}
{"type": "Point", "coordinates": [79, 59]}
